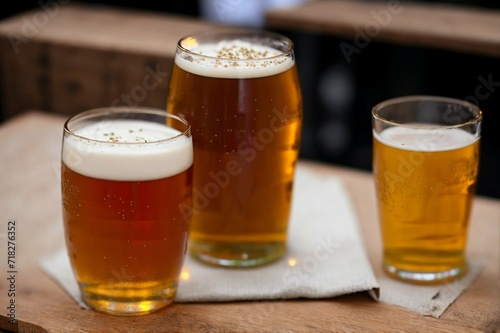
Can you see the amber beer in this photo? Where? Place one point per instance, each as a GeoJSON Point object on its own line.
{"type": "Point", "coordinates": [241, 94]}
{"type": "Point", "coordinates": [425, 176]}
{"type": "Point", "coordinates": [123, 182]}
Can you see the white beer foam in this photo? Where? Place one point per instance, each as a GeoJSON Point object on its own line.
{"type": "Point", "coordinates": [425, 139]}
{"type": "Point", "coordinates": [127, 150]}
{"type": "Point", "coordinates": [236, 59]}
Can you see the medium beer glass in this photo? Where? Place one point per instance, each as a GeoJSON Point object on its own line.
{"type": "Point", "coordinates": [240, 92]}
{"type": "Point", "coordinates": [126, 187]}
{"type": "Point", "coordinates": [425, 165]}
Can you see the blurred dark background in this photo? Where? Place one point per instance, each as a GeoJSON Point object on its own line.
{"type": "Point", "coordinates": [339, 92]}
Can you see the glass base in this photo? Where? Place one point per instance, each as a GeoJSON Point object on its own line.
{"type": "Point", "coordinates": [428, 278]}
{"type": "Point", "coordinates": [128, 302]}
{"type": "Point", "coordinates": [237, 255]}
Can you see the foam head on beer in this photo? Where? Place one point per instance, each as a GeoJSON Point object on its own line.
{"type": "Point", "coordinates": [425, 139]}
{"type": "Point", "coordinates": [235, 59]}
{"type": "Point", "coordinates": [128, 150]}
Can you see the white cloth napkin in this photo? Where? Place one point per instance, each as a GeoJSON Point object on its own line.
{"type": "Point", "coordinates": [427, 300]}
{"type": "Point", "coordinates": [325, 258]}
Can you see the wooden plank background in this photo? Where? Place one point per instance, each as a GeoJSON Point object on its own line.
{"type": "Point", "coordinates": [85, 56]}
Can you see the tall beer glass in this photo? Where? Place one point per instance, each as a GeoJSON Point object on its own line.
{"type": "Point", "coordinates": [240, 91]}
{"type": "Point", "coordinates": [425, 165]}
{"type": "Point", "coordinates": [126, 190]}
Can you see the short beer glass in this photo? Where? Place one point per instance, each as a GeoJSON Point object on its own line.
{"type": "Point", "coordinates": [126, 183]}
{"type": "Point", "coordinates": [425, 165]}
{"type": "Point", "coordinates": [240, 92]}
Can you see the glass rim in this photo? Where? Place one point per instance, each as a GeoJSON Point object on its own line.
{"type": "Point", "coordinates": [106, 111]}
{"type": "Point", "coordinates": [233, 33]}
{"type": "Point", "coordinates": [427, 98]}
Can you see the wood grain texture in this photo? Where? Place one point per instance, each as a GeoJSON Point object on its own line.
{"type": "Point", "coordinates": [444, 26]}
{"type": "Point", "coordinates": [30, 194]}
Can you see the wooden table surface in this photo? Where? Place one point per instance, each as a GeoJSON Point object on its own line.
{"type": "Point", "coordinates": [454, 27]}
{"type": "Point", "coordinates": [30, 147]}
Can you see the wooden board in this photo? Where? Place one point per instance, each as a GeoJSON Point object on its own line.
{"type": "Point", "coordinates": [30, 194]}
